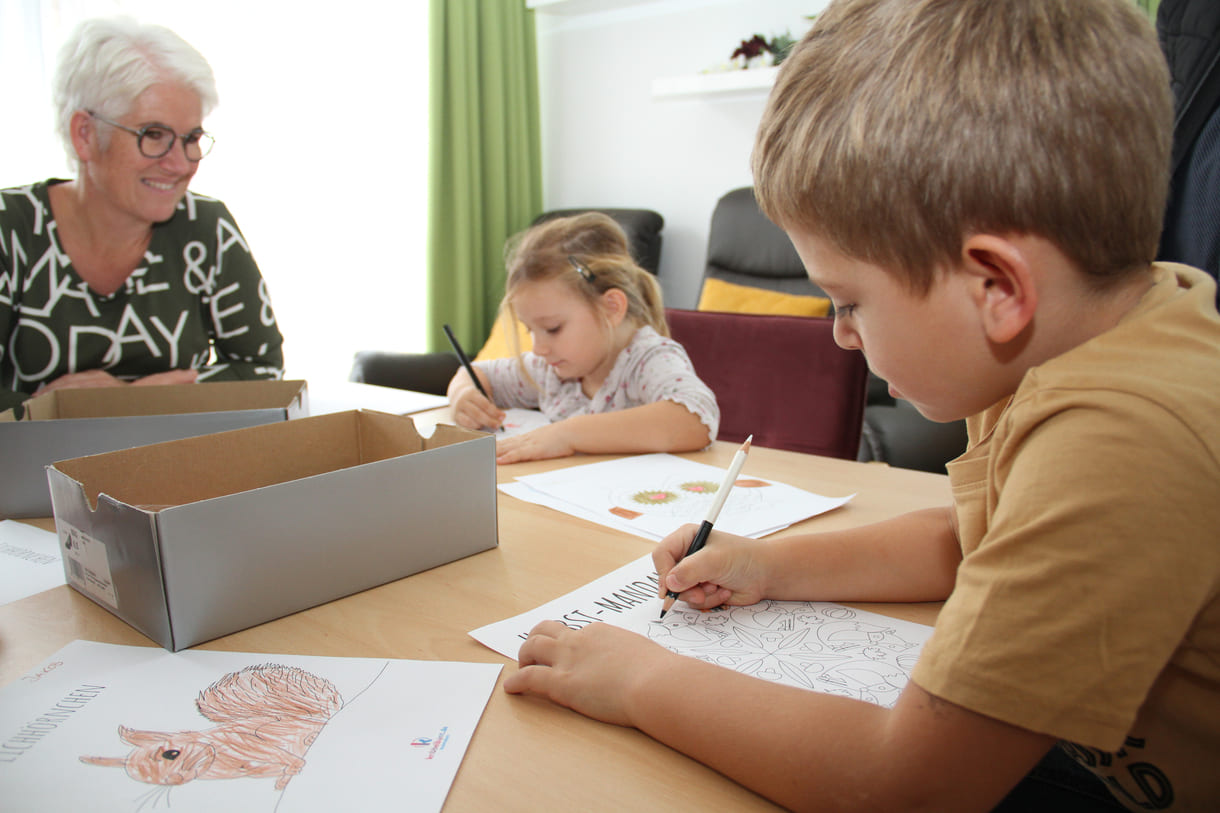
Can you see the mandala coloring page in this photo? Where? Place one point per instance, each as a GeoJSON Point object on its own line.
{"type": "Point", "coordinates": [819, 646]}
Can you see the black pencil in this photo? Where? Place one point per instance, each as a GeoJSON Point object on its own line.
{"type": "Point", "coordinates": [462, 357]}
{"type": "Point", "coordinates": [705, 529]}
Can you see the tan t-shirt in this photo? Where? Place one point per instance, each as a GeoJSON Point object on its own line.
{"type": "Point", "coordinates": [1087, 604]}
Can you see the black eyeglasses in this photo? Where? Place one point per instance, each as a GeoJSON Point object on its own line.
{"type": "Point", "coordinates": [156, 140]}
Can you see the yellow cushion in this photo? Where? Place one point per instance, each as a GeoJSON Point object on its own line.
{"type": "Point", "coordinates": [719, 295]}
{"type": "Point", "coordinates": [497, 345]}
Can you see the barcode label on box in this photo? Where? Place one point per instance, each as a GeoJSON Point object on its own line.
{"type": "Point", "coordinates": [87, 565]}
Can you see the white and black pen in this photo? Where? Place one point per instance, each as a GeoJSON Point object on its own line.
{"type": "Point", "coordinates": [705, 529]}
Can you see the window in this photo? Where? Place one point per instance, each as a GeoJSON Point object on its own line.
{"type": "Point", "coordinates": [336, 214]}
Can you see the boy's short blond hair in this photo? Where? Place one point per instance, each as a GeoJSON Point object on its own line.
{"type": "Point", "coordinates": [897, 128]}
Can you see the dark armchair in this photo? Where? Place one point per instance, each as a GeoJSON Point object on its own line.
{"type": "Point", "coordinates": [745, 248]}
{"type": "Point", "coordinates": [781, 379]}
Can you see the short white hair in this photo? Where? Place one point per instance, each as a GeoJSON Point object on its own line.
{"type": "Point", "coordinates": [108, 62]}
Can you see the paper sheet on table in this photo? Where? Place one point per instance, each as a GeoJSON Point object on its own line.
{"type": "Point", "coordinates": [518, 421]}
{"type": "Point", "coordinates": [523, 492]}
{"type": "Point", "coordinates": [820, 646]}
{"type": "Point", "coordinates": [339, 396]}
{"type": "Point", "coordinates": [398, 735]}
{"type": "Point", "coordinates": [30, 560]}
{"type": "Point", "coordinates": [653, 495]}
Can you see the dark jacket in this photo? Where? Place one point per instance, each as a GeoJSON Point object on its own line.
{"type": "Point", "coordinates": [1189, 31]}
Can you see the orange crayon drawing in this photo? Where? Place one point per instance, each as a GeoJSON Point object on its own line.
{"type": "Point", "coordinates": [267, 717]}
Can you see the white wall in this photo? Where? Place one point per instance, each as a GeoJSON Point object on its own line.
{"type": "Point", "coordinates": [321, 151]}
{"type": "Point", "coordinates": [608, 142]}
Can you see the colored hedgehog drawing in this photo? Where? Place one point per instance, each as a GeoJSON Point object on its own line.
{"type": "Point", "coordinates": [267, 717]}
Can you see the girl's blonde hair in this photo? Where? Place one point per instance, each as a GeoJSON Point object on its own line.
{"type": "Point", "coordinates": [590, 254]}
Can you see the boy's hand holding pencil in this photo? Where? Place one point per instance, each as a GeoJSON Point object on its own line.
{"type": "Point", "coordinates": [715, 577]}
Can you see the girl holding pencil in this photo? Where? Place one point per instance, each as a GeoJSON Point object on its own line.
{"type": "Point", "coordinates": [602, 368]}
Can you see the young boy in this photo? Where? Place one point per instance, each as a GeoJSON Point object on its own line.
{"type": "Point", "coordinates": [979, 187]}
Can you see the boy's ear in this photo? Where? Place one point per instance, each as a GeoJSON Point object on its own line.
{"type": "Point", "coordinates": [614, 303]}
{"type": "Point", "coordinates": [1002, 284]}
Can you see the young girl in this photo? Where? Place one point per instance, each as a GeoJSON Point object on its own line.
{"type": "Point", "coordinates": [602, 368]}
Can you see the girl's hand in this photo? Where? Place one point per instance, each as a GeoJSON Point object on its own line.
{"type": "Point", "coordinates": [726, 571]}
{"type": "Point", "coordinates": [542, 443]}
{"type": "Point", "coordinates": [470, 407]}
{"type": "Point", "coordinates": [593, 670]}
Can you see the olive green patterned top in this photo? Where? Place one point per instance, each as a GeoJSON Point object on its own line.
{"type": "Point", "coordinates": [198, 301]}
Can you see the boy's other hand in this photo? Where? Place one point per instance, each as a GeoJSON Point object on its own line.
{"type": "Point", "coordinates": [591, 670]}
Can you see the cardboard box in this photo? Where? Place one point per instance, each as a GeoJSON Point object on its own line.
{"type": "Point", "coordinates": [73, 423]}
{"type": "Point", "coordinates": [193, 539]}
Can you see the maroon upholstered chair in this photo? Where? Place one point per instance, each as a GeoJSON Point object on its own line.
{"type": "Point", "coordinates": [780, 378]}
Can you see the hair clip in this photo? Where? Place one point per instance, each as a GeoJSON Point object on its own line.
{"type": "Point", "coordinates": [580, 269]}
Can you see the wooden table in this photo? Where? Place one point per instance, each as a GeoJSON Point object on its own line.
{"type": "Point", "coordinates": [526, 754]}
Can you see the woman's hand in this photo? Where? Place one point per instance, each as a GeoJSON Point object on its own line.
{"type": "Point", "coordinates": [592, 670]}
{"type": "Point", "coordinates": [542, 443]}
{"type": "Point", "coordinates": [86, 379]}
{"type": "Point", "coordinates": [168, 377]}
{"type": "Point", "coordinates": [81, 380]}
{"type": "Point", "coordinates": [727, 571]}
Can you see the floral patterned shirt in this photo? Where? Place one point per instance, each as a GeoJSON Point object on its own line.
{"type": "Point", "coordinates": [650, 368]}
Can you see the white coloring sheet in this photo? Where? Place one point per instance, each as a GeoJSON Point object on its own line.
{"type": "Point", "coordinates": [652, 495]}
{"type": "Point", "coordinates": [30, 560]}
{"type": "Point", "coordinates": [820, 646]}
{"type": "Point", "coordinates": [101, 727]}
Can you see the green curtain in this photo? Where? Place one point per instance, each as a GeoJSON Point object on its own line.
{"type": "Point", "coordinates": [1149, 7]}
{"type": "Point", "coordinates": [485, 161]}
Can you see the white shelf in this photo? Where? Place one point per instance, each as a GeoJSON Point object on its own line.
{"type": "Point", "coordinates": [755, 81]}
{"type": "Point", "coordinates": [579, 6]}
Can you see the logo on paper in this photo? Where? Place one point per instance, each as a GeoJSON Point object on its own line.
{"type": "Point", "coordinates": [433, 744]}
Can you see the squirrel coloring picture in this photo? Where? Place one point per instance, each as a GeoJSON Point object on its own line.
{"type": "Point", "coordinates": [266, 717]}
{"type": "Point", "coordinates": [109, 728]}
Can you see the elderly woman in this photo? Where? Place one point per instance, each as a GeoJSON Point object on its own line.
{"type": "Point", "coordinates": [123, 276]}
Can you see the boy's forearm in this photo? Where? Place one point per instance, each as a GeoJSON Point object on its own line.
{"type": "Point", "coordinates": [792, 745]}
{"type": "Point", "coordinates": [912, 557]}
{"type": "Point", "coordinates": [812, 751]}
